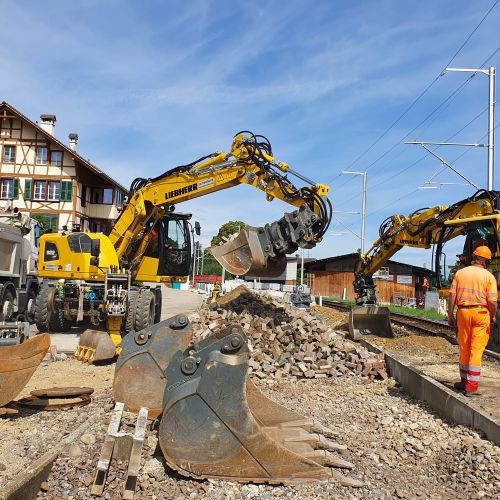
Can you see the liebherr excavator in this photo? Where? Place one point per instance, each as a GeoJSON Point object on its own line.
{"type": "Point", "coordinates": [477, 218]}
{"type": "Point", "coordinates": [98, 277]}
{"type": "Point", "coordinates": [214, 421]}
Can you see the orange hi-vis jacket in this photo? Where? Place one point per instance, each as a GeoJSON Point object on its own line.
{"type": "Point", "coordinates": [474, 285]}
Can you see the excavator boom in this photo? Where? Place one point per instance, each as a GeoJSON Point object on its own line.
{"type": "Point", "coordinates": [476, 217]}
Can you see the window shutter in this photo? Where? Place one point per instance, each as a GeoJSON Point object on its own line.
{"type": "Point", "coordinates": [15, 189]}
{"type": "Point", "coordinates": [27, 189]}
{"type": "Point", "coordinates": [66, 190]}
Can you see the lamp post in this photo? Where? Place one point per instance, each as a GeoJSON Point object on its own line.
{"type": "Point", "coordinates": [490, 72]}
{"type": "Point", "coordinates": [363, 207]}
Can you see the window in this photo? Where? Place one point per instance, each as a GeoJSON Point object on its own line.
{"type": "Point", "coordinates": [66, 190]}
{"type": "Point", "coordinates": [119, 198]}
{"type": "Point", "coordinates": [49, 222]}
{"type": "Point", "coordinates": [102, 196]}
{"type": "Point", "coordinates": [9, 154]}
{"type": "Point", "coordinates": [40, 191]}
{"type": "Point", "coordinates": [9, 189]}
{"type": "Point", "coordinates": [84, 196]}
{"type": "Point", "coordinates": [56, 158]}
{"type": "Point", "coordinates": [41, 155]}
{"type": "Point", "coordinates": [53, 190]}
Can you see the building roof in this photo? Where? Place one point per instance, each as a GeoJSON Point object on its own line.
{"type": "Point", "coordinates": [67, 149]}
{"type": "Point", "coordinates": [354, 255]}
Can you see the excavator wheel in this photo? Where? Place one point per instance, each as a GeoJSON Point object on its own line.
{"type": "Point", "coordinates": [43, 307]}
{"type": "Point", "coordinates": [145, 309]}
{"type": "Point", "coordinates": [129, 322]}
{"type": "Point", "coordinates": [214, 422]}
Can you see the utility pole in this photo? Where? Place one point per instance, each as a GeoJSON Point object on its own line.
{"type": "Point", "coordinates": [302, 266]}
{"type": "Point", "coordinates": [490, 72]}
{"type": "Point", "coordinates": [363, 207]}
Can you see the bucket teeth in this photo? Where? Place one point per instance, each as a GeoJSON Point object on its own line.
{"type": "Point", "coordinates": [215, 423]}
{"type": "Point", "coordinates": [346, 481]}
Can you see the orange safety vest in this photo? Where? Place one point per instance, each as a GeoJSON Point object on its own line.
{"type": "Point", "coordinates": [474, 286]}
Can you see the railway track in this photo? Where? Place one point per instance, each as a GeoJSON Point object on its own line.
{"type": "Point", "coordinates": [421, 325]}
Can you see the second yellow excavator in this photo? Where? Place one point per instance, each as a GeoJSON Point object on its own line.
{"type": "Point", "coordinates": [476, 218]}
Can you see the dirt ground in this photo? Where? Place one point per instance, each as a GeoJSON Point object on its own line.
{"type": "Point", "coordinates": [399, 447]}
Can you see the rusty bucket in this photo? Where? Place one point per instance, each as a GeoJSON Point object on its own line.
{"type": "Point", "coordinates": [18, 363]}
{"type": "Point", "coordinates": [370, 320]}
{"type": "Point", "coordinates": [215, 423]}
{"type": "Point", "coordinates": [95, 346]}
{"type": "Point", "coordinates": [247, 254]}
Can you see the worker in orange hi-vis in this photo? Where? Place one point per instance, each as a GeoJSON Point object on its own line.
{"type": "Point", "coordinates": [474, 292]}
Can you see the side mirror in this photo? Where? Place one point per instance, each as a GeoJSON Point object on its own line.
{"type": "Point", "coordinates": [197, 228]}
{"type": "Point", "coordinates": [95, 250]}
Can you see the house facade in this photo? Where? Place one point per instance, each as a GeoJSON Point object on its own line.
{"type": "Point", "coordinates": [48, 179]}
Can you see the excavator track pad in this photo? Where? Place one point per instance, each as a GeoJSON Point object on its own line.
{"type": "Point", "coordinates": [215, 423]}
{"type": "Point", "coordinates": [370, 320]}
{"type": "Point", "coordinates": [18, 363]}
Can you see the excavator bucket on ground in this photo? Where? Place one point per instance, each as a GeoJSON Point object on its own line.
{"type": "Point", "coordinates": [18, 362]}
{"type": "Point", "coordinates": [95, 346]}
{"type": "Point", "coordinates": [370, 320]}
{"type": "Point", "coordinates": [215, 423]}
{"type": "Point", "coordinates": [246, 254]}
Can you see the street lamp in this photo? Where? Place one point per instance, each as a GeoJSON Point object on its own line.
{"type": "Point", "coordinates": [363, 207]}
{"type": "Point", "coordinates": [490, 72]}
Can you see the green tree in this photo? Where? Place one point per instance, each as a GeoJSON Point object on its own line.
{"type": "Point", "coordinates": [226, 230]}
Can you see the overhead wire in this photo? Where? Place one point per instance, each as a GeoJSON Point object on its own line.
{"type": "Point", "coordinates": [417, 99]}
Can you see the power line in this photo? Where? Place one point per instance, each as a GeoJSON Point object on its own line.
{"type": "Point", "coordinates": [417, 99]}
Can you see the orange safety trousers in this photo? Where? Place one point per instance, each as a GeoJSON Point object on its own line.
{"type": "Point", "coordinates": [473, 327]}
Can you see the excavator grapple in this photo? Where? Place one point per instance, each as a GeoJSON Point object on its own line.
{"type": "Point", "coordinates": [18, 362]}
{"type": "Point", "coordinates": [370, 320]}
{"type": "Point", "coordinates": [215, 423]}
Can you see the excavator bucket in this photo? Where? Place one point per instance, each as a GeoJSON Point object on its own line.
{"type": "Point", "coordinates": [95, 346]}
{"type": "Point", "coordinates": [214, 422]}
{"type": "Point", "coordinates": [18, 362]}
{"type": "Point", "coordinates": [370, 320]}
{"type": "Point", "coordinates": [246, 254]}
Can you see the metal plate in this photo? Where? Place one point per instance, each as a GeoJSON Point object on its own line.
{"type": "Point", "coordinates": [62, 392]}
{"type": "Point", "coordinates": [47, 404]}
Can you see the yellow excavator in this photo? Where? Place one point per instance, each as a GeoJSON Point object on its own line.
{"type": "Point", "coordinates": [214, 422]}
{"type": "Point", "coordinates": [476, 218]}
{"type": "Point", "coordinates": [100, 278]}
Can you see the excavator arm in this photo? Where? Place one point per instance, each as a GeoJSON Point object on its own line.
{"type": "Point", "coordinates": [421, 229]}
{"type": "Point", "coordinates": [250, 161]}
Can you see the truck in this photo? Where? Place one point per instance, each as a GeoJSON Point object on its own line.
{"type": "Point", "coordinates": [19, 287]}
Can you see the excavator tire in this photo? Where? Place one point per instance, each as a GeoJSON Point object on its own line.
{"type": "Point", "coordinates": [214, 422]}
{"type": "Point", "coordinates": [42, 306]}
{"type": "Point", "coordinates": [18, 363]}
{"type": "Point", "coordinates": [131, 310]}
{"type": "Point", "coordinates": [145, 309]}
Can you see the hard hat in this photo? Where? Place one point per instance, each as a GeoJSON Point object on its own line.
{"type": "Point", "coordinates": [482, 251]}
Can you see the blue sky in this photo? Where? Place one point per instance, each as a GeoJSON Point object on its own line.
{"type": "Point", "coordinates": [150, 85]}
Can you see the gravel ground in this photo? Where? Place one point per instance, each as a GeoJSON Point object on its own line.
{"type": "Point", "coordinates": [400, 450]}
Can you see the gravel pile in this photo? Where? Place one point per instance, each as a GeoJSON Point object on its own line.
{"type": "Point", "coordinates": [288, 342]}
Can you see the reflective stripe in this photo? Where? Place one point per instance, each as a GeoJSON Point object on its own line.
{"type": "Point", "coordinates": [470, 367]}
{"type": "Point", "coordinates": [473, 378]}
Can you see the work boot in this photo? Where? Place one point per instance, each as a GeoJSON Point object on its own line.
{"type": "Point", "coordinates": [471, 394]}
{"type": "Point", "coordinates": [459, 386]}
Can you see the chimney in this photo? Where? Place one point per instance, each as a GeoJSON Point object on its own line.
{"type": "Point", "coordinates": [47, 123]}
{"type": "Point", "coordinates": [73, 140]}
